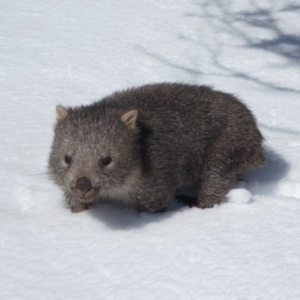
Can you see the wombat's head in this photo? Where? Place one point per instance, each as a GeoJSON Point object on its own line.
{"type": "Point", "coordinates": [94, 152]}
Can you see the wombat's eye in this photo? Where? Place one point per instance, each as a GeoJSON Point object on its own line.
{"type": "Point", "coordinates": [106, 161]}
{"type": "Point", "coordinates": [68, 159]}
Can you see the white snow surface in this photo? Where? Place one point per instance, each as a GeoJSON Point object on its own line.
{"type": "Point", "coordinates": [75, 52]}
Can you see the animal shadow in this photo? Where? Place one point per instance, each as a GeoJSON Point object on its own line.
{"type": "Point", "coordinates": [119, 217]}
{"type": "Point", "coordinates": [276, 168]}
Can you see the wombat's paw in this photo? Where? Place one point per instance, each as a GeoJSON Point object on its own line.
{"type": "Point", "coordinates": [79, 207]}
{"type": "Point", "coordinates": [205, 205]}
{"type": "Point", "coordinates": [186, 200]}
{"type": "Point", "coordinates": [207, 202]}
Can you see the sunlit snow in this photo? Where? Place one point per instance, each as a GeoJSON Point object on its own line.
{"type": "Point", "coordinates": [75, 52]}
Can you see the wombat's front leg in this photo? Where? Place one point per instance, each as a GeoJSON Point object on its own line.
{"type": "Point", "coordinates": [154, 201]}
{"type": "Point", "coordinates": [212, 191]}
{"type": "Point", "coordinates": [75, 205]}
{"type": "Point", "coordinates": [151, 204]}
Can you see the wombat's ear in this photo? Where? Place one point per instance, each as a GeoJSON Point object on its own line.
{"type": "Point", "coordinates": [61, 113]}
{"type": "Point", "coordinates": [129, 118]}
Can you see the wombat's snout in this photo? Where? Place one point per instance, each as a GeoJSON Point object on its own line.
{"type": "Point", "coordinates": [83, 186]}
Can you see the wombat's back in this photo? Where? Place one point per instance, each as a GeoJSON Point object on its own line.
{"type": "Point", "coordinates": [183, 107]}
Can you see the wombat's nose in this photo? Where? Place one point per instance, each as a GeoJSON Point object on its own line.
{"type": "Point", "coordinates": [83, 185]}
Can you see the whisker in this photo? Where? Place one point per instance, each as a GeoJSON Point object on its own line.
{"type": "Point", "coordinates": [38, 174]}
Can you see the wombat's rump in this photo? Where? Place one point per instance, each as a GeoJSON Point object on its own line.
{"type": "Point", "coordinates": [141, 145]}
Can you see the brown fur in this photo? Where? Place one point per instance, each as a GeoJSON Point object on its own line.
{"type": "Point", "coordinates": [141, 145]}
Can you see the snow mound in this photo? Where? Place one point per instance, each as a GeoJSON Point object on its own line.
{"type": "Point", "coordinates": [239, 195]}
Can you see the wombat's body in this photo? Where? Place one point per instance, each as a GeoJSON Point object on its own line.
{"type": "Point", "coordinates": [141, 145]}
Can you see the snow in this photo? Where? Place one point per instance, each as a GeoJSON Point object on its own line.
{"type": "Point", "coordinates": [74, 52]}
{"type": "Point", "coordinates": [239, 195]}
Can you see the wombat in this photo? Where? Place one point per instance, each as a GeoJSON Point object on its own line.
{"type": "Point", "coordinates": [141, 145]}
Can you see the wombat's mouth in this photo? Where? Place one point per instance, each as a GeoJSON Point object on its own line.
{"type": "Point", "coordinates": [87, 196]}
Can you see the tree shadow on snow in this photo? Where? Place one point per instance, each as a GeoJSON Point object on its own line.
{"type": "Point", "coordinates": [281, 43]}
{"type": "Point", "coordinates": [277, 39]}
